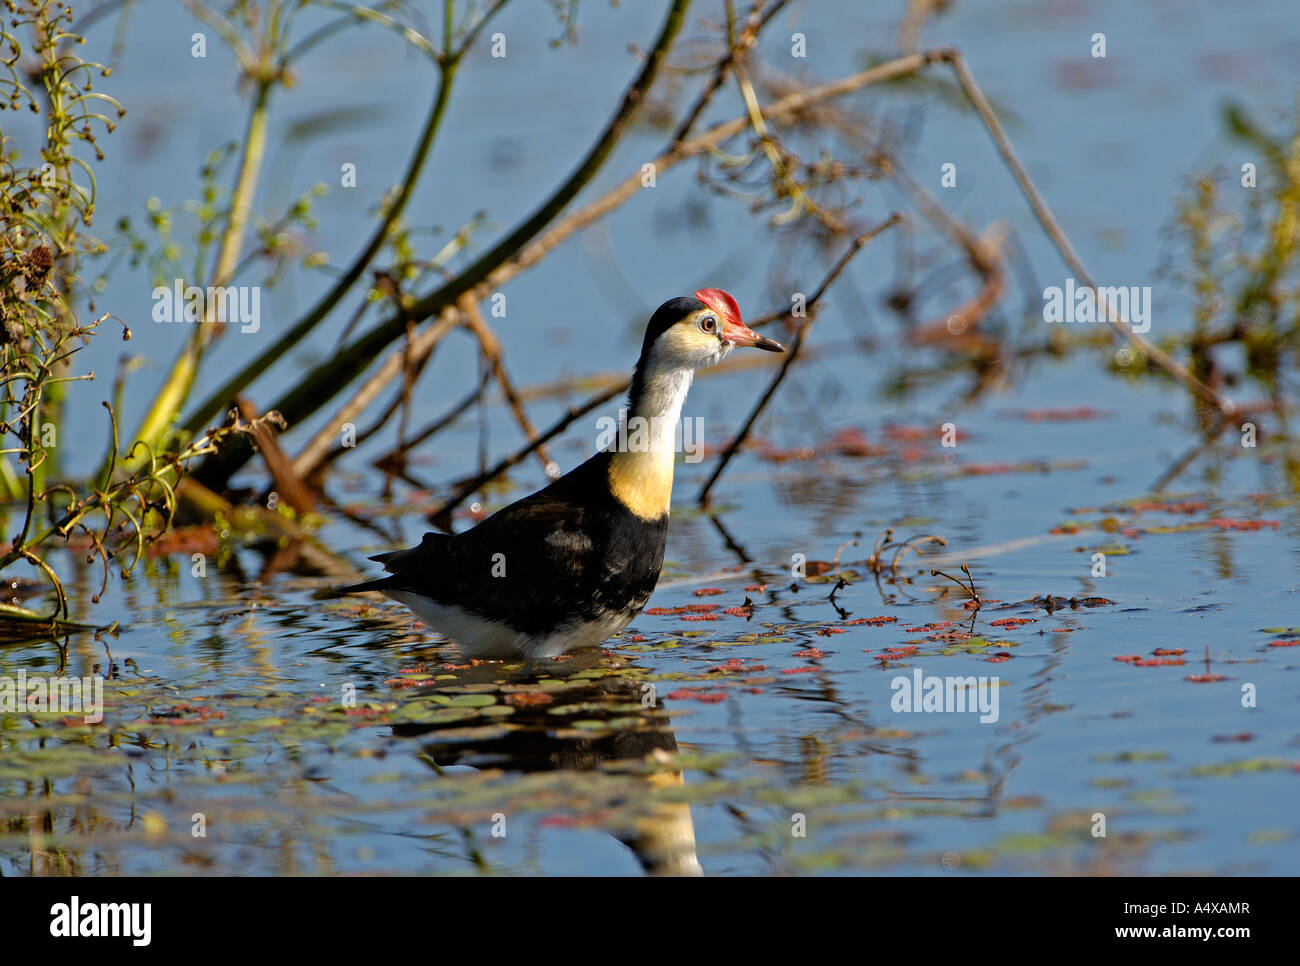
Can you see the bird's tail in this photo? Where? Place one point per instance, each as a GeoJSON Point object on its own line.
{"type": "Point", "coordinates": [382, 584]}
{"type": "Point", "coordinates": [330, 593]}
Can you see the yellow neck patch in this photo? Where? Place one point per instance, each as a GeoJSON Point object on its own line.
{"type": "Point", "coordinates": [643, 482]}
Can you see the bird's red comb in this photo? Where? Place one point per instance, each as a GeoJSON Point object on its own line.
{"type": "Point", "coordinates": [722, 303]}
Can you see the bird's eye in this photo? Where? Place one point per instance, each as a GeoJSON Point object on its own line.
{"type": "Point", "coordinates": [708, 323]}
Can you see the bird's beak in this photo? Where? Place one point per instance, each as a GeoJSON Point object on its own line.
{"type": "Point", "coordinates": [741, 335]}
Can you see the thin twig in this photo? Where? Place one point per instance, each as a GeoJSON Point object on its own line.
{"type": "Point", "coordinates": [574, 412]}
{"type": "Point", "coordinates": [788, 360]}
{"type": "Point", "coordinates": [1116, 319]}
{"type": "Point", "coordinates": [287, 485]}
{"type": "Point", "coordinates": [313, 454]}
{"type": "Point", "coordinates": [914, 544]}
{"type": "Point", "coordinates": [490, 346]}
{"type": "Point", "coordinates": [1211, 437]}
{"type": "Point", "coordinates": [446, 419]}
{"type": "Point", "coordinates": [970, 590]}
{"type": "Point", "coordinates": [754, 25]}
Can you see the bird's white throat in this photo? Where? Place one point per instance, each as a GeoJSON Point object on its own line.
{"type": "Point", "coordinates": [641, 469]}
{"type": "Point", "coordinates": [656, 414]}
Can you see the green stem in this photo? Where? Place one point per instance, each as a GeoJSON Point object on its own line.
{"type": "Point", "coordinates": [180, 379]}
{"type": "Point", "coordinates": [10, 486]}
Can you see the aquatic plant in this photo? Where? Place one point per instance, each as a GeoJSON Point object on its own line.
{"type": "Point", "coordinates": [47, 207]}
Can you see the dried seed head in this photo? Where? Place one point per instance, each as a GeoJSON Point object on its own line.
{"type": "Point", "coordinates": [37, 265]}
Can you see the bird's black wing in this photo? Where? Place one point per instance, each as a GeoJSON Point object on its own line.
{"type": "Point", "coordinates": [534, 563]}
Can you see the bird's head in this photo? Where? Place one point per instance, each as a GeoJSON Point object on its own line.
{"type": "Point", "coordinates": [690, 333]}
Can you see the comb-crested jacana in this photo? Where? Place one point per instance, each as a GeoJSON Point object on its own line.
{"type": "Point", "coordinates": [572, 564]}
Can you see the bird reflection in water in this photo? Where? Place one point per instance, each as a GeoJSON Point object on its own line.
{"type": "Point", "coordinates": [540, 736]}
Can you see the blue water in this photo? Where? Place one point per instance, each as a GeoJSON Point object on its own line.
{"type": "Point", "coordinates": [1188, 779]}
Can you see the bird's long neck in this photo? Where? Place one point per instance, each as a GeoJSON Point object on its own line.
{"type": "Point", "coordinates": [641, 468]}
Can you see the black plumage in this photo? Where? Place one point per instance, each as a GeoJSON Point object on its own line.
{"type": "Point", "coordinates": [569, 553]}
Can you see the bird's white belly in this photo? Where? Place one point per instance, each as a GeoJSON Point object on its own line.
{"type": "Point", "coordinates": [480, 637]}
